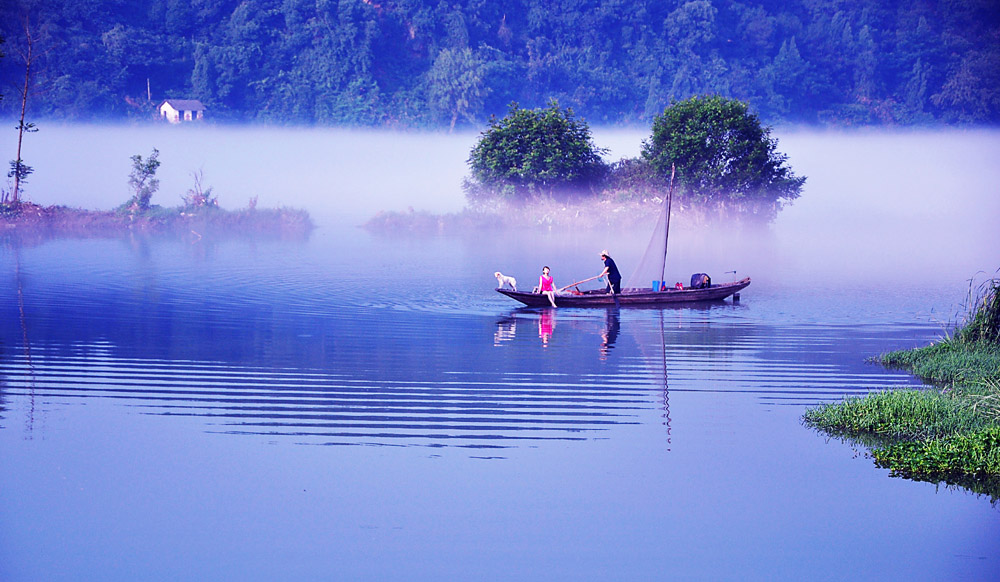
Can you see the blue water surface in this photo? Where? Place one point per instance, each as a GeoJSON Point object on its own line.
{"type": "Point", "coordinates": [349, 406]}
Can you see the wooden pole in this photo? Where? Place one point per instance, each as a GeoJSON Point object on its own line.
{"type": "Point", "coordinates": [666, 228]}
{"type": "Point", "coordinates": [578, 282]}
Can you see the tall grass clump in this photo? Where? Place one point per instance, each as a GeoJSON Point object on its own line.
{"type": "Point", "coordinates": [986, 402]}
{"type": "Point", "coordinates": [983, 323]}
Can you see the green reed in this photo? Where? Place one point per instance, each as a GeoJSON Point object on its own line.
{"type": "Point", "coordinates": [983, 323]}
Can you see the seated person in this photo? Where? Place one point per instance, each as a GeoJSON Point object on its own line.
{"type": "Point", "coordinates": [546, 286]}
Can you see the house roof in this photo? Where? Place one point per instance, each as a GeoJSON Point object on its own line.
{"type": "Point", "coordinates": [184, 104]}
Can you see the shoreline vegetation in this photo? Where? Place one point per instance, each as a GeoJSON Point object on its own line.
{"type": "Point", "coordinates": [29, 219]}
{"type": "Point", "coordinates": [948, 434]}
{"type": "Point", "coordinates": [200, 214]}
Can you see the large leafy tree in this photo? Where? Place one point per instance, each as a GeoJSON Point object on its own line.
{"type": "Point", "coordinates": [722, 153]}
{"type": "Point", "coordinates": [535, 151]}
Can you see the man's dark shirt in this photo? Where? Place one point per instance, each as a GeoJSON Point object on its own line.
{"type": "Point", "coordinates": [613, 274]}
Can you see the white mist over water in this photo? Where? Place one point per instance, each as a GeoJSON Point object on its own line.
{"type": "Point", "coordinates": [878, 207]}
{"type": "Point", "coordinates": [904, 206]}
{"type": "Point", "coordinates": [909, 206]}
{"type": "Point", "coordinates": [337, 174]}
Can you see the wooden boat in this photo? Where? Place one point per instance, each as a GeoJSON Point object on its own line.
{"type": "Point", "coordinates": [636, 296]}
{"type": "Point", "coordinates": [631, 297]}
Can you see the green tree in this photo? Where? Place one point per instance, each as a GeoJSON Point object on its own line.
{"type": "Point", "coordinates": [782, 79]}
{"type": "Point", "coordinates": [455, 85]}
{"type": "Point", "coordinates": [534, 151]}
{"type": "Point", "coordinates": [143, 181]}
{"type": "Point", "coordinates": [971, 94]}
{"type": "Point", "coordinates": [723, 154]}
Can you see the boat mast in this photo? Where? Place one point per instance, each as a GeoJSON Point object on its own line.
{"type": "Point", "coordinates": [666, 226]}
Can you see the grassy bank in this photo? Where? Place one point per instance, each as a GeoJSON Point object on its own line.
{"type": "Point", "coordinates": [30, 219]}
{"type": "Point", "coordinates": [947, 434]}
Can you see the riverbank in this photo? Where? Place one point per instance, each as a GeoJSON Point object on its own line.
{"type": "Point", "coordinates": [27, 218]}
{"type": "Point", "coordinates": [948, 434]}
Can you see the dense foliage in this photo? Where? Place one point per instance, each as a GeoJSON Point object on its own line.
{"type": "Point", "coordinates": [721, 152]}
{"type": "Point", "coordinates": [426, 62]}
{"type": "Point", "coordinates": [534, 151]}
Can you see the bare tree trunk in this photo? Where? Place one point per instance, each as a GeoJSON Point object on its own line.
{"type": "Point", "coordinates": [28, 58]}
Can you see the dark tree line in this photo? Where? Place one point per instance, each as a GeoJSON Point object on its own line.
{"type": "Point", "coordinates": [418, 63]}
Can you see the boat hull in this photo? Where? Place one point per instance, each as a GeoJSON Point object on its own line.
{"type": "Point", "coordinates": [636, 297]}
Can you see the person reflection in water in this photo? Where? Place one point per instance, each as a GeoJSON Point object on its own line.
{"type": "Point", "coordinates": [611, 272]}
{"type": "Point", "coordinates": [546, 323]}
{"type": "Point", "coordinates": [612, 325]}
{"type": "Point", "coordinates": [546, 287]}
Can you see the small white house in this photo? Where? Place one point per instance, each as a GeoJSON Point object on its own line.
{"type": "Point", "coordinates": [181, 110]}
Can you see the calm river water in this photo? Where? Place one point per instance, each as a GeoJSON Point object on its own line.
{"type": "Point", "coordinates": [361, 407]}
{"type": "Point", "coordinates": [357, 407]}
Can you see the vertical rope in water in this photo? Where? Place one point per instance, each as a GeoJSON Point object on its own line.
{"type": "Point", "coordinates": [24, 338]}
{"type": "Point", "coordinates": [666, 389]}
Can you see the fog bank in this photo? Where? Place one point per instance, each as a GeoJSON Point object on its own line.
{"type": "Point", "coordinates": [907, 205]}
{"type": "Point", "coordinates": [902, 204]}
{"type": "Point", "coordinates": [336, 174]}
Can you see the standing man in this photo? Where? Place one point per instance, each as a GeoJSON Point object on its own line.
{"type": "Point", "coordinates": [611, 271]}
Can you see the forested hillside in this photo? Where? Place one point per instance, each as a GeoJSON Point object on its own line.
{"type": "Point", "coordinates": [420, 63]}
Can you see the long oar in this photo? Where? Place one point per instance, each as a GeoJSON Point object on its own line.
{"type": "Point", "coordinates": [578, 282]}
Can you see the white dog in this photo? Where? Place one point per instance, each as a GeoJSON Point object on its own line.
{"type": "Point", "coordinates": [505, 280]}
